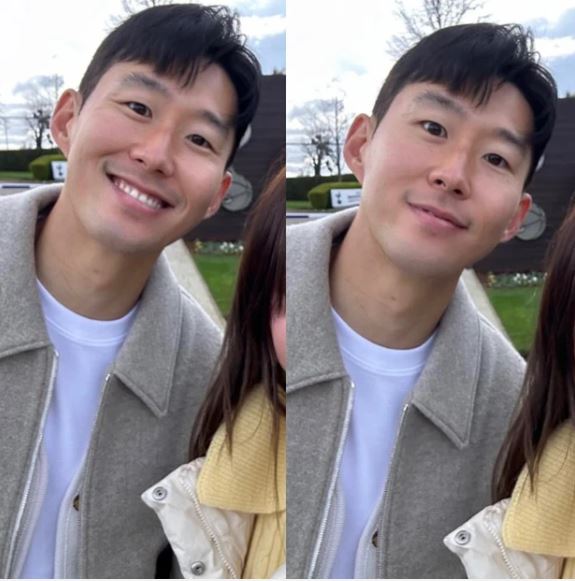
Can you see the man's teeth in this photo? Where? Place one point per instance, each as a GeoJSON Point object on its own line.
{"type": "Point", "coordinates": [137, 195]}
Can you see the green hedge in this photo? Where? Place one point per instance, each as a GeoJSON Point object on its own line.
{"type": "Point", "coordinates": [298, 188]}
{"type": "Point", "coordinates": [19, 159]}
{"type": "Point", "coordinates": [41, 167]}
{"type": "Point", "coordinates": [320, 198]}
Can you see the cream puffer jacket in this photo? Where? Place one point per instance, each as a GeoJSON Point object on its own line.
{"type": "Point", "coordinates": [208, 542]}
{"type": "Point", "coordinates": [217, 546]}
{"type": "Point", "coordinates": [531, 534]}
{"type": "Point", "coordinates": [479, 544]}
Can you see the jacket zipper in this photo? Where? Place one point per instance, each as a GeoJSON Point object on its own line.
{"type": "Point", "coordinates": [332, 484]}
{"type": "Point", "coordinates": [207, 527]}
{"type": "Point", "coordinates": [18, 529]}
{"type": "Point", "coordinates": [88, 461]}
{"type": "Point", "coordinates": [386, 486]}
{"type": "Point", "coordinates": [510, 568]}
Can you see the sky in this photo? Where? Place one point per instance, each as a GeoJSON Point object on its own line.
{"type": "Point", "coordinates": [346, 57]}
{"type": "Point", "coordinates": [334, 47]}
{"type": "Point", "coordinates": [39, 37]}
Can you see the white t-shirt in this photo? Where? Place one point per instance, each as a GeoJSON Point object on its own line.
{"type": "Point", "coordinates": [86, 350]}
{"type": "Point", "coordinates": [383, 379]}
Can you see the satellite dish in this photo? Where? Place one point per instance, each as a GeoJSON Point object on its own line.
{"type": "Point", "coordinates": [534, 224]}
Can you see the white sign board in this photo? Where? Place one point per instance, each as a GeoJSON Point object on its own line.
{"type": "Point", "coordinates": [345, 198]}
{"type": "Point", "coordinates": [59, 169]}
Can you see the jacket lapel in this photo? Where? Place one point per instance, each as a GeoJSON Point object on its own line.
{"type": "Point", "coordinates": [147, 359]}
{"type": "Point", "coordinates": [445, 391]}
{"type": "Point", "coordinates": [22, 325]}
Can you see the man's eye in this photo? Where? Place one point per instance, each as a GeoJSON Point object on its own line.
{"type": "Point", "coordinates": [434, 128]}
{"type": "Point", "coordinates": [496, 160]}
{"type": "Point", "coordinates": [199, 140]}
{"type": "Point", "coordinates": [139, 108]}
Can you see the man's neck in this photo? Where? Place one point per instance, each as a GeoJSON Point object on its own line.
{"type": "Point", "coordinates": [379, 301]}
{"type": "Point", "coordinates": [84, 276]}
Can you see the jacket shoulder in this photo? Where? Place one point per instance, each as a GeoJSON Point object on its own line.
{"type": "Point", "coordinates": [478, 544]}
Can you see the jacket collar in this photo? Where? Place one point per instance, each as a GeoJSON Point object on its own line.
{"type": "Point", "coordinates": [246, 480]}
{"type": "Point", "coordinates": [542, 520]}
{"type": "Point", "coordinates": [147, 358]}
{"type": "Point", "coordinates": [445, 392]}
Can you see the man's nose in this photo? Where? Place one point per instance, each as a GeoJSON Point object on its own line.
{"type": "Point", "coordinates": [154, 150]}
{"type": "Point", "coordinates": [451, 172]}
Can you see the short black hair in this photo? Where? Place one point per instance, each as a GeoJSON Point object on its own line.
{"type": "Point", "coordinates": [179, 40]}
{"type": "Point", "coordinates": [473, 60]}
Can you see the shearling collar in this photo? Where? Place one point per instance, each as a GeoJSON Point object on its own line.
{"type": "Point", "coordinates": [246, 480]}
{"type": "Point", "coordinates": [146, 360]}
{"type": "Point", "coordinates": [445, 392]}
{"type": "Point", "coordinates": [542, 520]}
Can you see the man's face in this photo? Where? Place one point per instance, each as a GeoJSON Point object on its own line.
{"type": "Point", "coordinates": [146, 158]}
{"type": "Point", "coordinates": [442, 179]}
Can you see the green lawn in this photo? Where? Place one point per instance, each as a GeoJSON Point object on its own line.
{"type": "Point", "coordinates": [16, 175]}
{"type": "Point", "coordinates": [517, 308]}
{"type": "Point", "coordinates": [219, 272]}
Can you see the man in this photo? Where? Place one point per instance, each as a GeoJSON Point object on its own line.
{"type": "Point", "coordinates": [103, 357]}
{"type": "Point", "coordinates": [399, 391]}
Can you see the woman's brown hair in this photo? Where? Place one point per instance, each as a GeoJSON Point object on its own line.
{"type": "Point", "coordinates": [248, 357]}
{"type": "Point", "coordinates": [548, 396]}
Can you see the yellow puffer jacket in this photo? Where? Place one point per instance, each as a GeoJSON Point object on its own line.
{"type": "Point", "coordinates": [225, 515]}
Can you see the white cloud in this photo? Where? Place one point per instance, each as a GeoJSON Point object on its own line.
{"type": "Point", "coordinates": [258, 27]}
{"type": "Point", "coordinates": [551, 48]}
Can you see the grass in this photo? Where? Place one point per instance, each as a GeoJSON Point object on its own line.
{"type": "Point", "coordinates": [17, 175]}
{"type": "Point", "coordinates": [220, 272]}
{"type": "Point", "coordinates": [517, 308]}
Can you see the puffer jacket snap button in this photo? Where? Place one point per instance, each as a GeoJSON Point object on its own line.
{"type": "Point", "coordinates": [462, 537]}
{"type": "Point", "coordinates": [159, 493]}
{"type": "Point", "coordinates": [198, 568]}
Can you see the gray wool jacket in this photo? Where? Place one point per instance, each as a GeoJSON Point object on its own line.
{"type": "Point", "coordinates": [450, 432]}
{"type": "Point", "coordinates": [144, 420]}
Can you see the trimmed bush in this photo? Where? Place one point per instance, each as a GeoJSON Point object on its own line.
{"type": "Point", "coordinates": [41, 167]}
{"type": "Point", "coordinates": [19, 159]}
{"type": "Point", "coordinates": [320, 196]}
{"type": "Point", "coordinates": [297, 188]}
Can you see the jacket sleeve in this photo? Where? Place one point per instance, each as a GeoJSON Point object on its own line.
{"type": "Point", "coordinates": [479, 545]}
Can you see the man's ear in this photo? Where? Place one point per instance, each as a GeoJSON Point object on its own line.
{"type": "Point", "coordinates": [219, 195]}
{"type": "Point", "coordinates": [65, 113]}
{"type": "Point", "coordinates": [517, 219]}
{"type": "Point", "coordinates": [358, 136]}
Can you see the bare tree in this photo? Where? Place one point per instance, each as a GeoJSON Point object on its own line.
{"type": "Point", "coordinates": [324, 123]}
{"type": "Point", "coordinates": [430, 16]}
{"type": "Point", "coordinates": [40, 94]}
{"type": "Point", "coordinates": [4, 122]}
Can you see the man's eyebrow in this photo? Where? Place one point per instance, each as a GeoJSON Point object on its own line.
{"type": "Point", "coordinates": [223, 126]}
{"type": "Point", "coordinates": [147, 82]}
{"type": "Point", "coordinates": [439, 99]}
{"type": "Point", "coordinates": [135, 79]}
{"type": "Point", "coordinates": [518, 141]}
